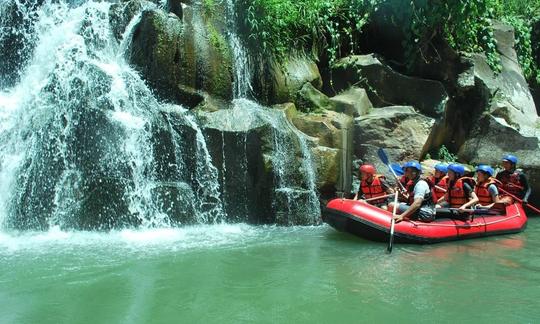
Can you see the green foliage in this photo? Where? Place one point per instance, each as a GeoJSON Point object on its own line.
{"type": "Point", "coordinates": [311, 25]}
{"type": "Point", "coordinates": [333, 26]}
{"type": "Point", "coordinates": [444, 155]}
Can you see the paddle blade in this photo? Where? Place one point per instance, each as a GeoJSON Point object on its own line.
{"type": "Point", "coordinates": [382, 155]}
{"type": "Point", "coordinates": [391, 241]}
{"type": "Point", "coordinates": [397, 169]}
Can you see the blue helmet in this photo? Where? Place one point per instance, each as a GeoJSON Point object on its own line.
{"type": "Point", "coordinates": [414, 165]}
{"type": "Point", "coordinates": [510, 158]}
{"type": "Point", "coordinates": [458, 169]}
{"type": "Point", "coordinates": [485, 168]}
{"type": "Point", "coordinates": [441, 167]}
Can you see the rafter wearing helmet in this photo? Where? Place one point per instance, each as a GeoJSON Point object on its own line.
{"type": "Point", "coordinates": [373, 185]}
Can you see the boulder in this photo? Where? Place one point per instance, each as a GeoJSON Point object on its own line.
{"type": "Point", "coordinates": [509, 92]}
{"type": "Point", "coordinates": [400, 130]}
{"type": "Point", "coordinates": [280, 81]}
{"type": "Point", "coordinates": [183, 60]}
{"type": "Point", "coordinates": [309, 99]}
{"type": "Point", "coordinates": [493, 137]}
{"type": "Point", "coordinates": [388, 87]}
{"type": "Point", "coordinates": [328, 165]}
{"type": "Point", "coordinates": [332, 132]}
{"type": "Point", "coordinates": [326, 127]}
{"type": "Point", "coordinates": [353, 102]}
{"type": "Point", "coordinates": [288, 108]}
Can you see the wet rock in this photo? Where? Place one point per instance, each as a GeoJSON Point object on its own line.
{"type": "Point", "coordinates": [280, 82]}
{"type": "Point", "coordinates": [182, 60]}
{"type": "Point", "coordinates": [175, 7]}
{"type": "Point", "coordinates": [332, 132]}
{"type": "Point", "coordinates": [288, 108]}
{"type": "Point", "coordinates": [17, 38]}
{"type": "Point", "coordinates": [328, 165]}
{"type": "Point", "coordinates": [309, 99]}
{"type": "Point", "coordinates": [121, 13]}
{"type": "Point", "coordinates": [260, 157]}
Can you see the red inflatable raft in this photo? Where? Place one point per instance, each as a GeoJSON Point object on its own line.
{"type": "Point", "coordinates": [370, 222]}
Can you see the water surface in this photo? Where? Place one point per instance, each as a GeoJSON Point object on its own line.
{"type": "Point", "coordinates": [241, 273]}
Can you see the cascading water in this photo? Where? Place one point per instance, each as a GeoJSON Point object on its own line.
{"type": "Point", "coordinates": [242, 65]}
{"type": "Point", "coordinates": [85, 144]}
{"type": "Point", "coordinates": [291, 197]}
{"type": "Point", "coordinates": [80, 135]}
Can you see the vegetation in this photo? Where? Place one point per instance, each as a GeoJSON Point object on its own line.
{"type": "Point", "coordinates": [444, 155]}
{"type": "Point", "coordinates": [335, 26]}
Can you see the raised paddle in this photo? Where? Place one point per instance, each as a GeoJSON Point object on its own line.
{"type": "Point", "coordinates": [536, 210]}
{"type": "Point", "coordinates": [384, 158]}
{"type": "Point", "coordinates": [392, 225]}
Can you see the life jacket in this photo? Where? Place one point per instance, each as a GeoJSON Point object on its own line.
{"type": "Point", "coordinates": [481, 190]}
{"type": "Point", "coordinates": [433, 183]}
{"type": "Point", "coordinates": [456, 193]}
{"type": "Point", "coordinates": [410, 190]}
{"type": "Point", "coordinates": [511, 182]}
{"type": "Point", "coordinates": [373, 189]}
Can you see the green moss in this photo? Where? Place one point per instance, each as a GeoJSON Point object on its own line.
{"type": "Point", "coordinates": [209, 7]}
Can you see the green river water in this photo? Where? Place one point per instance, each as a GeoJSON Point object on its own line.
{"type": "Point", "coordinates": [241, 273]}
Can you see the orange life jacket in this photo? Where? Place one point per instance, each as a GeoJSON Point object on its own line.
{"type": "Point", "coordinates": [373, 189]}
{"type": "Point", "coordinates": [481, 190]}
{"type": "Point", "coordinates": [511, 182]}
{"type": "Point", "coordinates": [433, 183]}
{"type": "Point", "coordinates": [456, 194]}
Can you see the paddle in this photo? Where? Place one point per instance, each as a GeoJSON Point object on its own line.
{"type": "Point", "coordinates": [392, 225]}
{"type": "Point", "coordinates": [380, 197]}
{"type": "Point", "coordinates": [466, 211]}
{"type": "Point", "coordinates": [536, 210]}
{"type": "Point", "coordinates": [384, 158]}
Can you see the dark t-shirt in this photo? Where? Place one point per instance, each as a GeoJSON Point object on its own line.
{"type": "Point", "coordinates": [504, 176]}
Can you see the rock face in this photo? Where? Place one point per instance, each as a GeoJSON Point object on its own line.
{"type": "Point", "coordinates": [332, 132]}
{"type": "Point", "coordinates": [510, 122]}
{"type": "Point", "coordinates": [182, 59]}
{"type": "Point", "coordinates": [309, 99]}
{"type": "Point", "coordinates": [280, 82]}
{"type": "Point", "coordinates": [17, 24]}
{"type": "Point", "coordinates": [264, 165]}
{"type": "Point", "coordinates": [353, 102]}
{"type": "Point", "coordinates": [493, 137]}
{"type": "Point", "coordinates": [387, 87]}
{"type": "Point", "coordinates": [400, 130]}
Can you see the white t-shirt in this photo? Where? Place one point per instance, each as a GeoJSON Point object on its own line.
{"type": "Point", "coordinates": [421, 189]}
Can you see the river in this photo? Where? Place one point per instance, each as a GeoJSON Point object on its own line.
{"type": "Point", "coordinates": [235, 273]}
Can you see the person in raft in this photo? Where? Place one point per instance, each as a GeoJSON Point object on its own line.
{"type": "Point", "coordinates": [419, 205]}
{"type": "Point", "coordinates": [514, 180]}
{"type": "Point", "coordinates": [438, 181]}
{"type": "Point", "coordinates": [373, 185]}
{"type": "Point", "coordinates": [487, 193]}
{"type": "Point", "coordinates": [459, 188]}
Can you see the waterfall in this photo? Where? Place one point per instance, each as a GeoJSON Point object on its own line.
{"type": "Point", "coordinates": [242, 64]}
{"type": "Point", "coordinates": [79, 134]}
{"type": "Point", "coordinates": [86, 144]}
